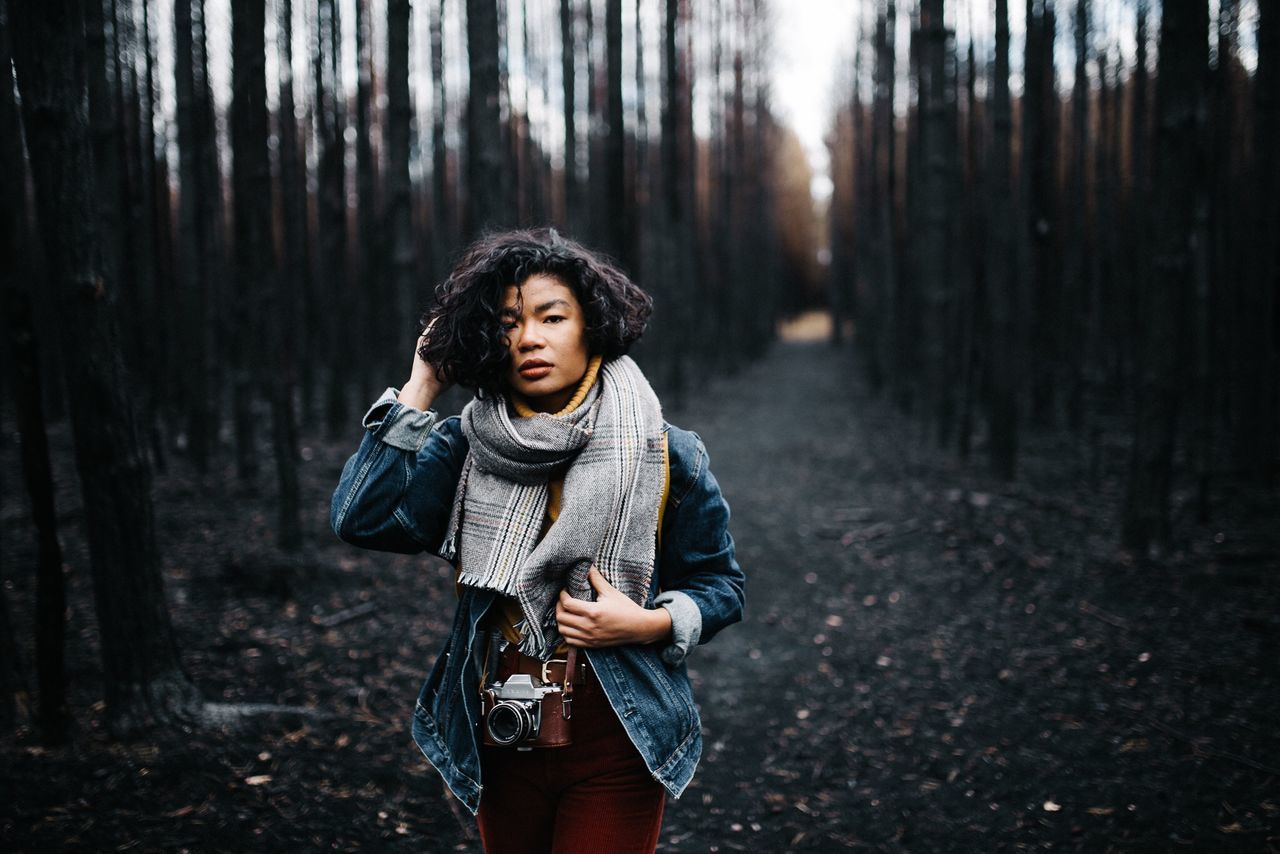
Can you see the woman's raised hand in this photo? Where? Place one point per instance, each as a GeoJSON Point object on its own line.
{"type": "Point", "coordinates": [424, 386]}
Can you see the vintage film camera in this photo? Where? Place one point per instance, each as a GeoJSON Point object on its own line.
{"type": "Point", "coordinates": [524, 712]}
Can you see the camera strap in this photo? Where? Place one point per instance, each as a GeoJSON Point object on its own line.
{"type": "Point", "coordinates": [493, 640]}
{"type": "Point", "coordinates": [570, 672]}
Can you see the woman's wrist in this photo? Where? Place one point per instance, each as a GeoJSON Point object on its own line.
{"type": "Point", "coordinates": [417, 396]}
{"type": "Point", "coordinates": [657, 625]}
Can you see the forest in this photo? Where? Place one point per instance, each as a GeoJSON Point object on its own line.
{"type": "Point", "coordinates": [1045, 257]}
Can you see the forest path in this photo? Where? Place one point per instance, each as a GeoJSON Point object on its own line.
{"type": "Point", "coordinates": [933, 660]}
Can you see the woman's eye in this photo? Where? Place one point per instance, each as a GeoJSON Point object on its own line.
{"type": "Point", "coordinates": [554, 318]}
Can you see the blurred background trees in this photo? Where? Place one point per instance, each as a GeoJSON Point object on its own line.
{"type": "Point", "coordinates": [223, 219]}
{"type": "Point", "coordinates": [245, 205]}
{"type": "Point", "coordinates": [1081, 247]}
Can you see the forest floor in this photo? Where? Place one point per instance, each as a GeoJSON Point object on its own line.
{"type": "Point", "coordinates": [932, 659]}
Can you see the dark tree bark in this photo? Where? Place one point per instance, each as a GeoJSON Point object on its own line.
{"type": "Point", "coordinates": [568, 56]}
{"type": "Point", "coordinates": [1002, 381]}
{"type": "Point", "coordinates": [104, 133]}
{"type": "Point", "coordinates": [522, 132]}
{"type": "Point", "coordinates": [444, 221]}
{"type": "Point", "coordinates": [53, 717]}
{"type": "Point", "coordinates": [931, 243]}
{"type": "Point", "coordinates": [23, 374]}
{"type": "Point", "coordinates": [643, 172]}
{"type": "Point", "coordinates": [143, 678]}
{"type": "Point", "coordinates": [593, 197]}
{"type": "Point", "coordinates": [1040, 209]}
{"type": "Point", "coordinates": [13, 694]}
{"type": "Point", "coordinates": [620, 209]}
{"type": "Point", "coordinates": [1080, 284]}
{"type": "Point", "coordinates": [250, 175]}
{"type": "Point", "coordinates": [1176, 190]}
{"type": "Point", "coordinates": [333, 291]}
{"type": "Point", "coordinates": [884, 193]}
{"type": "Point", "coordinates": [399, 208]}
{"type": "Point", "coordinates": [199, 227]}
{"type": "Point", "coordinates": [1257, 448]}
{"type": "Point", "coordinates": [154, 302]}
{"type": "Point", "coordinates": [487, 204]}
{"type": "Point", "coordinates": [974, 231]}
{"type": "Point", "coordinates": [368, 246]}
{"type": "Point", "coordinates": [1139, 121]}
{"type": "Point", "coordinates": [677, 192]}
{"type": "Point", "coordinates": [295, 269]}
{"type": "Point", "coordinates": [255, 258]}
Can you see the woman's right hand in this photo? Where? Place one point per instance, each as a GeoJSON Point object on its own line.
{"type": "Point", "coordinates": [424, 386]}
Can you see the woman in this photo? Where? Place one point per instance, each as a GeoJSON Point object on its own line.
{"type": "Point", "coordinates": [578, 521]}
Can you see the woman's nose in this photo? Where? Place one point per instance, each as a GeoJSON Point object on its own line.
{"type": "Point", "coordinates": [530, 337]}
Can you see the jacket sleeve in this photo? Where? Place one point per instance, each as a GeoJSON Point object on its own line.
{"type": "Point", "coordinates": [396, 492]}
{"type": "Point", "coordinates": [702, 584]}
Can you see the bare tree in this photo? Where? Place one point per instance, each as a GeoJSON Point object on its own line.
{"type": "Point", "coordinates": [568, 61]}
{"type": "Point", "coordinates": [487, 188]}
{"type": "Point", "coordinates": [398, 215]}
{"type": "Point", "coordinates": [620, 208]}
{"type": "Point", "coordinates": [1177, 190]}
{"type": "Point", "coordinates": [199, 226]}
{"type": "Point", "coordinates": [334, 292]}
{"type": "Point", "coordinates": [23, 374]}
{"type": "Point", "coordinates": [1002, 381]}
{"type": "Point", "coordinates": [144, 680]}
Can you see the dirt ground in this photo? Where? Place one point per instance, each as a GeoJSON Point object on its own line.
{"type": "Point", "coordinates": [932, 660]}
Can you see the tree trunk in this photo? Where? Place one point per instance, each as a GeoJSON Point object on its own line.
{"type": "Point", "coordinates": [572, 202]}
{"type": "Point", "coordinates": [1176, 192]}
{"type": "Point", "coordinates": [621, 208]}
{"type": "Point", "coordinates": [884, 154]}
{"type": "Point", "coordinates": [399, 209]}
{"type": "Point", "coordinates": [1077, 308]}
{"type": "Point", "coordinates": [143, 678]}
{"type": "Point", "coordinates": [21, 347]}
{"type": "Point", "coordinates": [1002, 385]}
{"type": "Point", "coordinates": [154, 291]}
{"type": "Point", "coordinates": [677, 193]}
{"type": "Point", "coordinates": [334, 298]}
{"type": "Point", "coordinates": [1043, 279]}
{"type": "Point", "coordinates": [1257, 448]}
{"type": "Point", "coordinates": [487, 203]}
{"type": "Point", "coordinates": [249, 173]}
{"type": "Point", "coordinates": [255, 254]}
{"type": "Point", "coordinates": [444, 222]}
{"type": "Point", "coordinates": [198, 216]}
{"type": "Point", "coordinates": [295, 271]}
{"type": "Point", "coordinates": [369, 251]}
{"type": "Point", "coordinates": [931, 243]}
{"type": "Point", "coordinates": [53, 717]}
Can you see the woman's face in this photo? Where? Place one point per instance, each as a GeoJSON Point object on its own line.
{"type": "Point", "coordinates": [547, 336]}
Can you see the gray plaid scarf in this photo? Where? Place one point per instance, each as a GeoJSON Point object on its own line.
{"type": "Point", "coordinates": [610, 451]}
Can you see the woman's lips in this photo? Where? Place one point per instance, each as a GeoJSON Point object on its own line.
{"type": "Point", "coordinates": [535, 372]}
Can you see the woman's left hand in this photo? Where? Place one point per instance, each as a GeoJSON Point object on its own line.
{"type": "Point", "coordinates": [611, 620]}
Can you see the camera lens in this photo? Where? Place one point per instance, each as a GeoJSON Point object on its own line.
{"type": "Point", "coordinates": [509, 723]}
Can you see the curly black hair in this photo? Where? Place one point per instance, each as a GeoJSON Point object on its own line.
{"type": "Point", "coordinates": [465, 341]}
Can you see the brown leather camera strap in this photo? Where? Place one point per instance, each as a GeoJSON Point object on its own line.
{"type": "Point", "coordinates": [511, 661]}
{"type": "Point", "coordinates": [570, 673]}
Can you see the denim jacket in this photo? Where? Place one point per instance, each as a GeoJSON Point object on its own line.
{"type": "Point", "coordinates": [396, 493]}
